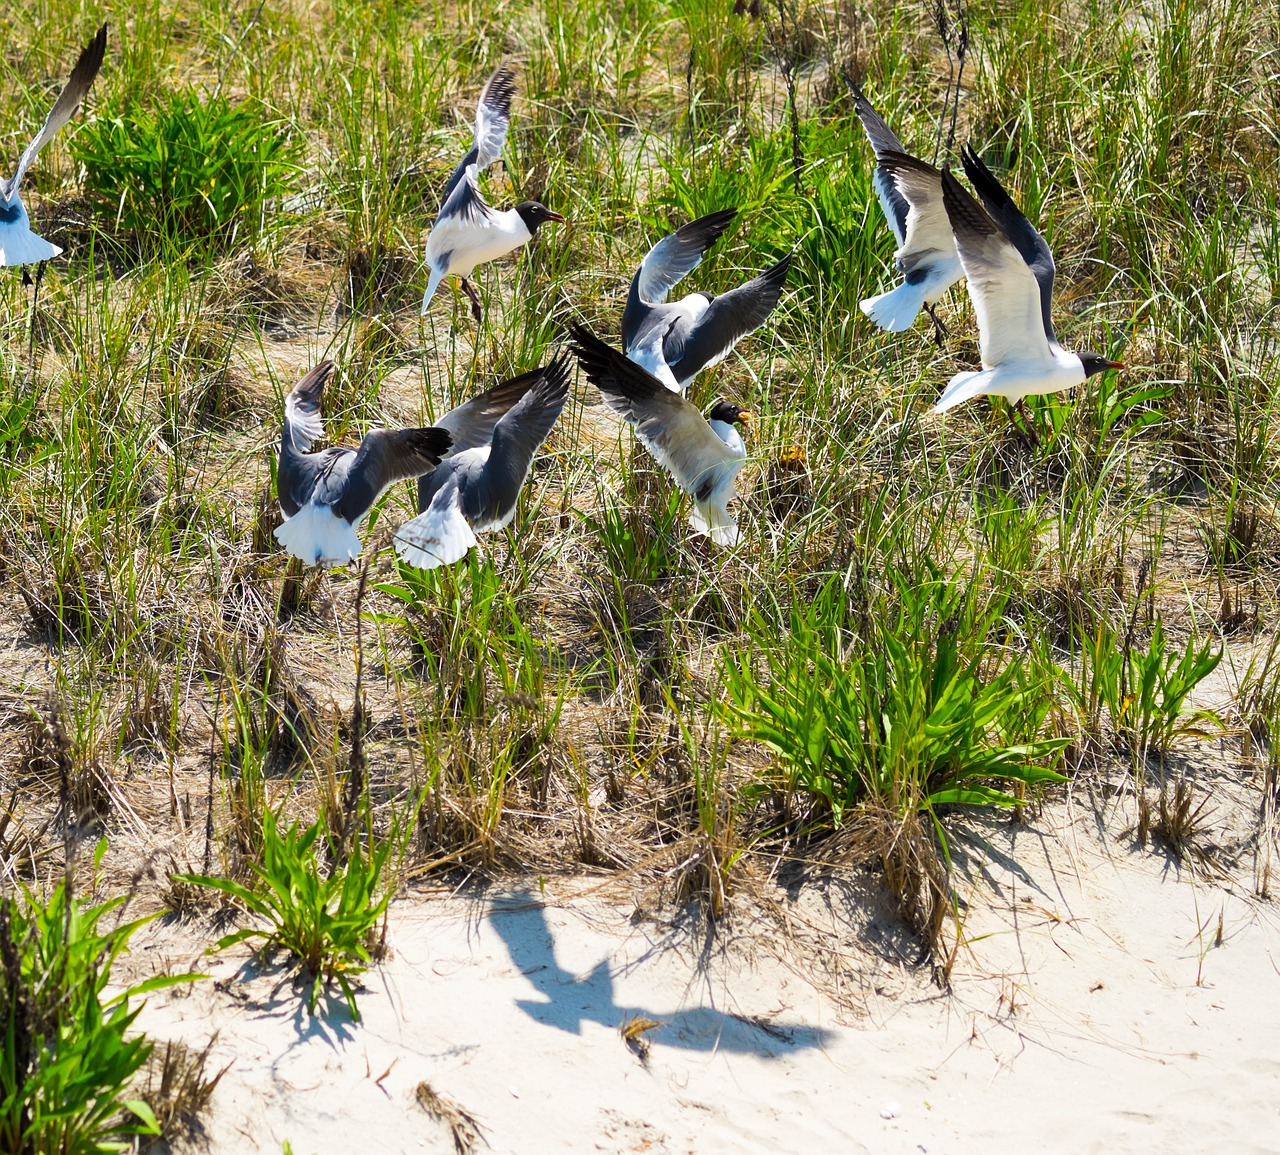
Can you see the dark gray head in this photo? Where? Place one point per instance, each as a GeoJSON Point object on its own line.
{"type": "Point", "coordinates": [535, 213]}
{"type": "Point", "coordinates": [728, 412]}
{"type": "Point", "coordinates": [1097, 363]}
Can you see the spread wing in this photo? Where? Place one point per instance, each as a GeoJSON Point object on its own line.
{"type": "Point", "coordinates": [386, 456]}
{"type": "Point", "coordinates": [493, 115]}
{"type": "Point", "coordinates": [1024, 235]}
{"type": "Point", "coordinates": [927, 231]}
{"type": "Point", "coordinates": [678, 254]}
{"type": "Point", "coordinates": [472, 422]}
{"type": "Point", "coordinates": [64, 108]}
{"type": "Point", "coordinates": [668, 426]}
{"type": "Point", "coordinates": [465, 207]}
{"type": "Point", "coordinates": [303, 424]}
{"type": "Point", "coordinates": [688, 349]}
{"type": "Point", "coordinates": [1005, 294]}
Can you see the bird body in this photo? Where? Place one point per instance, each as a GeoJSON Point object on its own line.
{"type": "Point", "coordinates": [1010, 272]}
{"type": "Point", "coordinates": [702, 454]}
{"type": "Point", "coordinates": [676, 340]}
{"type": "Point", "coordinates": [476, 488]}
{"type": "Point", "coordinates": [324, 496]}
{"type": "Point", "coordinates": [910, 193]}
{"type": "Point", "coordinates": [468, 231]}
{"type": "Point", "coordinates": [18, 244]}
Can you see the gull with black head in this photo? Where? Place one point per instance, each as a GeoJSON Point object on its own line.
{"type": "Point", "coordinates": [468, 231]}
{"type": "Point", "coordinates": [676, 340]}
{"type": "Point", "coordinates": [703, 454]}
{"type": "Point", "coordinates": [324, 496]}
{"type": "Point", "coordinates": [1010, 271]}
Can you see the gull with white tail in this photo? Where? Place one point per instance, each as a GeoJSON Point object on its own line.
{"type": "Point", "coordinates": [676, 340]}
{"type": "Point", "coordinates": [1010, 271]}
{"type": "Point", "coordinates": [468, 231]}
{"type": "Point", "coordinates": [475, 489]}
{"type": "Point", "coordinates": [324, 496]}
{"type": "Point", "coordinates": [910, 193]}
{"type": "Point", "coordinates": [701, 453]}
{"type": "Point", "coordinates": [18, 244]}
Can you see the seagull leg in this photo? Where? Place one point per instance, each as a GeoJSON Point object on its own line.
{"type": "Point", "coordinates": [1027, 431]}
{"type": "Point", "coordinates": [35, 300]}
{"type": "Point", "coordinates": [939, 329]}
{"type": "Point", "coordinates": [470, 290]}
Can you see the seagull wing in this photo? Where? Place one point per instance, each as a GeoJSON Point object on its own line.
{"type": "Point", "coordinates": [516, 438]}
{"type": "Point", "coordinates": [678, 254]}
{"type": "Point", "coordinates": [927, 233]}
{"type": "Point", "coordinates": [690, 348]}
{"type": "Point", "coordinates": [464, 207]}
{"type": "Point", "coordinates": [302, 421]}
{"type": "Point", "coordinates": [386, 456]}
{"type": "Point", "coordinates": [884, 142]}
{"type": "Point", "coordinates": [1033, 248]}
{"type": "Point", "coordinates": [64, 108]}
{"type": "Point", "coordinates": [1005, 294]}
{"type": "Point", "coordinates": [472, 422]}
{"type": "Point", "coordinates": [493, 115]}
{"type": "Point", "coordinates": [668, 426]}
{"type": "Point", "coordinates": [882, 137]}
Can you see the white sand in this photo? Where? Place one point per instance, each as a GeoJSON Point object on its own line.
{"type": "Point", "coordinates": [1090, 1012]}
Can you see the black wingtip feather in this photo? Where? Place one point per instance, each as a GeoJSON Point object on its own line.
{"type": "Point", "coordinates": [964, 213]}
{"type": "Point", "coordinates": [430, 441]}
{"type": "Point", "coordinates": [609, 370]}
{"type": "Point", "coordinates": [983, 179]}
{"type": "Point", "coordinates": [500, 89]}
{"type": "Point", "coordinates": [312, 385]}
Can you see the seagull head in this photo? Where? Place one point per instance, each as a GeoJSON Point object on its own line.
{"type": "Point", "coordinates": [535, 213]}
{"type": "Point", "coordinates": [729, 412]}
{"type": "Point", "coordinates": [1097, 363]}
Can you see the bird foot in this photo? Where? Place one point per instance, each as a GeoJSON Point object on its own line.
{"type": "Point", "coordinates": [469, 289]}
{"type": "Point", "coordinates": [1026, 431]}
{"type": "Point", "coordinates": [939, 329]}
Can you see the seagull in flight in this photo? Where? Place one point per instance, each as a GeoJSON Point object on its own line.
{"type": "Point", "coordinates": [18, 244]}
{"type": "Point", "coordinates": [475, 489]}
{"type": "Point", "coordinates": [324, 496]}
{"type": "Point", "coordinates": [1010, 271]}
{"type": "Point", "coordinates": [676, 340]}
{"type": "Point", "coordinates": [910, 193]}
{"type": "Point", "coordinates": [701, 453]}
{"type": "Point", "coordinates": [468, 231]}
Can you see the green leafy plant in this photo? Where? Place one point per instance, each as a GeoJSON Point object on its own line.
{"type": "Point", "coordinates": [192, 170]}
{"type": "Point", "coordinates": [903, 715]}
{"type": "Point", "coordinates": [325, 919]}
{"type": "Point", "coordinates": [68, 1057]}
{"type": "Point", "coordinates": [1158, 682]}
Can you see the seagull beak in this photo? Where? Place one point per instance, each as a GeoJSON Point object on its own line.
{"type": "Point", "coordinates": [554, 216]}
{"type": "Point", "coordinates": [746, 416]}
{"type": "Point", "coordinates": [1115, 364]}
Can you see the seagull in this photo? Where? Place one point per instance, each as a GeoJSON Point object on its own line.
{"type": "Point", "coordinates": [910, 193]}
{"type": "Point", "coordinates": [18, 244]}
{"type": "Point", "coordinates": [702, 454]}
{"type": "Point", "coordinates": [468, 231]}
{"type": "Point", "coordinates": [676, 341]}
{"type": "Point", "coordinates": [325, 495]}
{"type": "Point", "coordinates": [474, 490]}
{"type": "Point", "coordinates": [1010, 271]}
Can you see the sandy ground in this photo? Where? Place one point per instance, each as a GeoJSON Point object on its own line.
{"type": "Point", "coordinates": [1097, 1007]}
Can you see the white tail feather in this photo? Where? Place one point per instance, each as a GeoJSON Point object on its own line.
{"type": "Point", "coordinates": [20, 246]}
{"type": "Point", "coordinates": [433, 283]}
{"type": "Point", "coordinates": [316, 536]}
{"type": "Point", "coordinates": [963, 387]}
{"type": "Point", "coordinates": [716, 522]}
{"type": "Point", "coordinates": [896, 310]}
{"type": "Point", "coordinates": [438, 536]}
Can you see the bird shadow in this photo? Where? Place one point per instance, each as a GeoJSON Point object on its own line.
{"type": "Point", "coordinates": [565, 1000]}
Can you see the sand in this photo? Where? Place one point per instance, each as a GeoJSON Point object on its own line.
{"type": "Point", "coordinates": [1095, 1007]}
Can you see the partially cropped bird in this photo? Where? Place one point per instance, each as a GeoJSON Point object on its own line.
{"type": "Point", "coordinates": [475, 489]}
{"type": "Point", "coordinates": [468, 231]}
{"type": "Point", "coordinates": [1010, 271]}
{"type": "Point", "coordinates": [701, 453]}
{"type": "Point", "coordinates": [676, 340]}
{"type": "Point", "coordinates": [18, 244]}
{"type": "Point", "coordinates": [910, 193]}
{"type": "Point", "coordinates": [324, 496]}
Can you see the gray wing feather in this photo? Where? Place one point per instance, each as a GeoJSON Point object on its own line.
{"type": "Point", "coordinates": [678, 254]}
{"type": "Point", "coordinates": [64, 108]}
{"type": "Point", "coordinates": [472, 422]}
{"type": "Point", "coordinates": [386, 456]}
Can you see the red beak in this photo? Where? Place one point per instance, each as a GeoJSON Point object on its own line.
{"type": "Point", "coordinates": [554, 216]}
{"type": "Point", "coordinates": [1115, 364]}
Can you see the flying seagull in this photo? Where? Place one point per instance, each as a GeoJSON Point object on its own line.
{"type": "Point", "coordinates": [325, 495]}
{"type": "Point", "coordinates": [18, 244]}
{"type": "Point", "coordinates": [474, 490]}
{"type": "Point", "coordinates": [675, 341]}
{"type": "Point", "coordinates": [468, 231]}
{"type": "Point", "coordinates": [910, 193]}
{"type": "Point", "coordinates": [702, 454]}
{"type": "Point", "coordinates": [1010, 272]}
